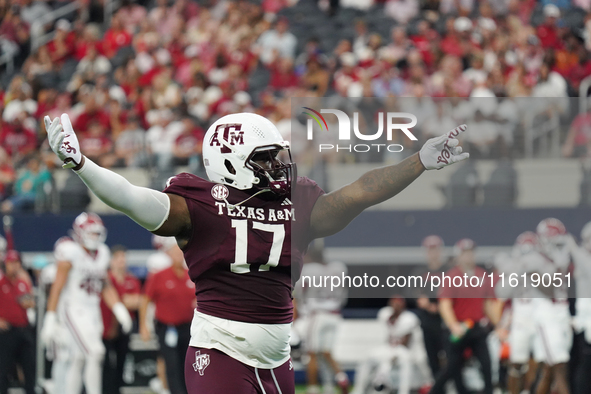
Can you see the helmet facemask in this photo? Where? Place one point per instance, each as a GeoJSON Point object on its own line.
{"type": "Point", "coordinates": [271, 173]}
{"type": "Point", "coordinates": [89, 231]}
{"type": "Point", "coordinates": [93, 237]}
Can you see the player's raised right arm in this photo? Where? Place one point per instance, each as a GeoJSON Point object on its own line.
{"type": "Point", "coordinates": [161, 213]}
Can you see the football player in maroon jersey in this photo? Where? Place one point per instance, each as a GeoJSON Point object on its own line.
{"type": "Point", "coordinates": [241, 231]}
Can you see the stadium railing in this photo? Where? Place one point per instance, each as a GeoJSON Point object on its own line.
{"type": "Point", "coordinates": [38, 35]}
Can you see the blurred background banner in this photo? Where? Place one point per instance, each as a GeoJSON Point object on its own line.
{"type": "Point", "coordinates": [527, 163]}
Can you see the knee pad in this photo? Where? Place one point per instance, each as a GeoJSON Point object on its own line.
{"type": "Point", "coordinates": [97, 352]}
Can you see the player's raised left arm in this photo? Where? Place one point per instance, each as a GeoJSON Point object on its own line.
{"type": "Point", "coordinates": [161, 213]}
{"type": "Point", "coordinates": [334, 211]}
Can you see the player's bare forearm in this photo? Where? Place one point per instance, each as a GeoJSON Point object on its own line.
{"type": "Point", "coordinates": [334, 211]}
{"type": "Point", "coordinates": [143, 310]}
{"type": "Point", "coordinates": [446, 311]}
{"type": "Point", "coordinates": [131, 301]}
{"type": "Point", "coordinates": [178, 223]}
{"type": "Point", "coordinates": [61, 277]}
{"type": "Point", "coordinates": [494, 310]}
{"type": "Point", "coordinates": [110, 296]}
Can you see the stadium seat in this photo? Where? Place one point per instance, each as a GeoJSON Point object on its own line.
{"type": "Point", "coordinates": [258, 81]}
{"type": "Point", "coordinates": [74, 196]}
{"type": "Point", "coordinates": [501, 189]}
{"type": "Point", "coordinates": [537, 16]}
{"type": "Point", "coordinates": [346, 16]}
{"type": "Point", "coordinates": [122, 56]}
{"type": "Point", "coordinates": [574, 18]}
{"type": "Point", "coordinates": [307, 8]}
{"type": "Point", "coordinates": [462, 188]}
{"type": "Point", "coordinates": [48, 80]}
{"type": "Point", "coordinates": [67, 70]}
{"type": "Point", "coordinates": [586, 185]}
{"type": "Point", "coordinates": [46, 197]}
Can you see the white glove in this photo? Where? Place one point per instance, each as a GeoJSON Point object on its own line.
{"type": "Point", "coordinates": [50, 328]}
{"type": "Point", "coordinates": [63, 140]}
{"type": "Point", "coordinates": [442, 151]}
{"type": "Point", "coordinates": [122, 315]}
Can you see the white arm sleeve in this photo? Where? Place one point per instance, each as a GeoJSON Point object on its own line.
{"type": "Point", "coordinates": [147, 207]}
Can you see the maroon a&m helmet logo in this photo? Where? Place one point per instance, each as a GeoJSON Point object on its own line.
{"type": "Point", "coordinates": [231, 133]}
{"type": "Point", "coordinates": [220, 192]}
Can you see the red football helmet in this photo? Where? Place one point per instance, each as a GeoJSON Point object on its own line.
{"type": "Point", "coordinates": [89, 230]}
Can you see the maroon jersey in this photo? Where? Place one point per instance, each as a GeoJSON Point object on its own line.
{"type": "Point", "coordinates": [241, 258]}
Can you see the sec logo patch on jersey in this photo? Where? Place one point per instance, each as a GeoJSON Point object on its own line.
{"type": "Point", "coordinates": [220, 192]}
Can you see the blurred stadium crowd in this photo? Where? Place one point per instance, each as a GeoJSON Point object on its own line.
{"type": "Point", "coordinates": [142, 80]}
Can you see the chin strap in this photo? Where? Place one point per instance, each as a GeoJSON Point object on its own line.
{"type": "Point", "coordinates": [232, 206]}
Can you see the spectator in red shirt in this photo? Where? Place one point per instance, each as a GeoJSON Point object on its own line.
{"type": "Point", "coordinates": [90, 37]}
{"type": "Point", "coordinates": [283, 75]}
{"type": "Point", "coordinates": [92, 113]}
{"type": "Point", "coordinates": [187, 146]}
{"type": "Point", "coordinates": [423, 41]}
{"type": "Point", "coordinates": [274, 6]}
{"type": "Point", "coordinates": [348, 74]}
{"type": "Point", "coordinates": [548, 31]}
{"type": "Point", "coordinates": [464, 310]}
{"type": "Point", "coordinates": [116, 342]}
{"type": "Point", "coordinates": [116, 37]}
{"type": "Point", "coordinates": [243, 55]}
{"type": "Point", "coordinates": [17, 338]}
{"type": "Point", "coordinates": [13, 28]}
{"type": "Point", "coordinates": [97, 145]}
{"type": "Point", "coordinates": [173, 294]}
{"type": "Point", "coordinates": [62, 47]}
{"type": "Point", "coordinates": [17, 140]}
{"type": "Point", "coordinates": [7, 174]}
{"type": "Point", "coordinates": [453, 43]}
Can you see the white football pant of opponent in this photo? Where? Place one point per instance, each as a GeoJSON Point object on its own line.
{"type": "Point", "coordinates": [405, 351]}
{"type": "Point", "coordinates": [73, 319]}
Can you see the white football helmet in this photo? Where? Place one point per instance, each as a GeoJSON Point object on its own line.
{"type": "Point", "coordinates": [525, 243]}
{"type": "Point", "coordinates": [234, 146]}
{"type": "Point", "coordinates": [553, 237]}
{"type": "Point", "coordinates": [463, 245]}
{"type": "Point", "coordinates": [89, 231]}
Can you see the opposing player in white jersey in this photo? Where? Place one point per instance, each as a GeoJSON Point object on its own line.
{"type": "Point", "coordinates": [522, 332]}
{"type": "Point", "coordinates": [73, 317]}
{"type": "Point", "coordinates": [581, 256]}
{"type": "Point", "coordinates": [552, 316]}
{"type": "Point", "coordinates": [320, 307]}
{"type": "Point", "coordinates": [405, 350]}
